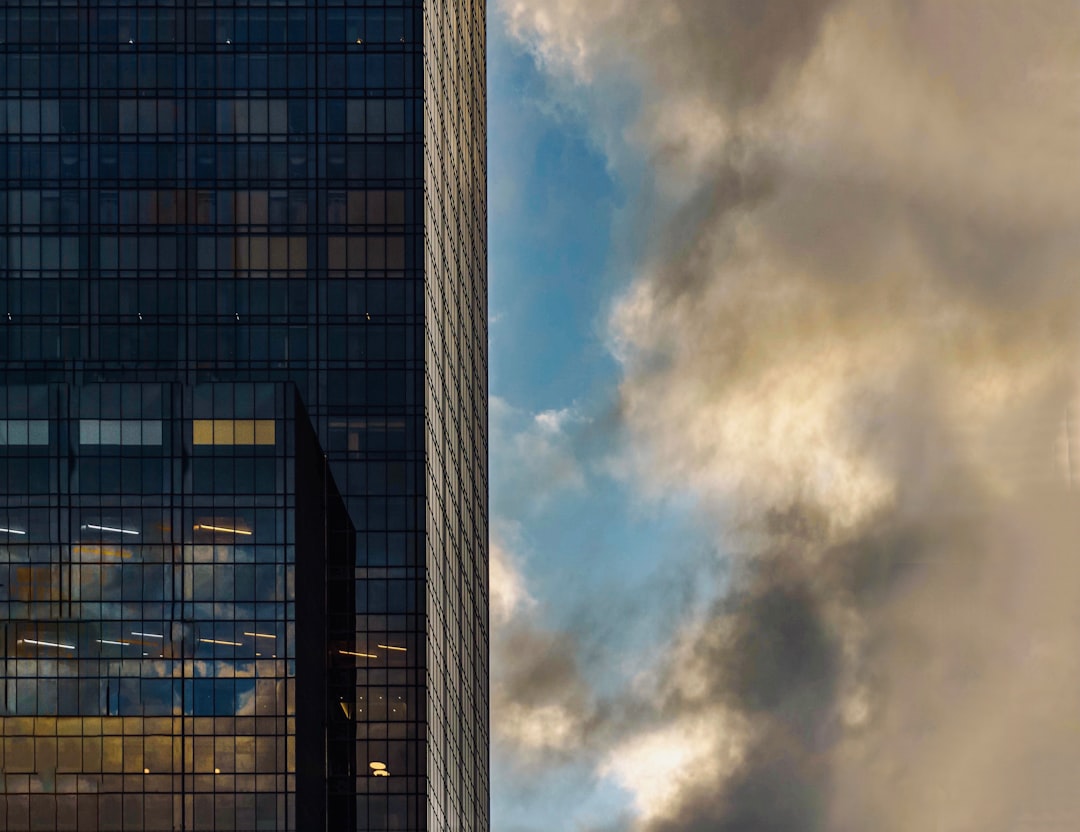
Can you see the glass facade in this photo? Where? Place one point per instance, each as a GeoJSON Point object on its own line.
{"type": "Point", "coordinates": [243, 415]}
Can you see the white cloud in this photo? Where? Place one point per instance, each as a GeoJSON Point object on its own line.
{"type": "Point", "coordinates": [533, 455]}
{"type": "Point", "coordinates": [857, 322]}
{"type": "Point", "coordinates": [539, 728]}
{"type": "Point", "coordinates": [658, 764]}
{"type": "Point", "coordinates": [508, 592]}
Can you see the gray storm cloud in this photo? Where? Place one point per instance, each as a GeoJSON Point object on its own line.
{"type": "Point", "coordinates": [853, 336]}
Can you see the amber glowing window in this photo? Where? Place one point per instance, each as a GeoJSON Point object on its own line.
{"type": "Point", "coordinates": [233, 432]}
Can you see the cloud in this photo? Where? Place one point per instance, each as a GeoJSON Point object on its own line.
{"type": "Point", "coordinates": [658, 765]}
{"type": "Point", "coordinates": [509, 595]}
{"type": "Point", "coordinates": [541, 703]}
{"type": "Point", "coordinates": [852, 335]}
{"type": "Point", "coordinates": [535, 458]}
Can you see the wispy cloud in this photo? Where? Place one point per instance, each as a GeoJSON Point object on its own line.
{"type": "Point", "coordinates": [541, 702]}
{"type": "Point", "coordinates": [509, 594]}
{"type": "Point", "coordinates": [854, 330]}
{"type": "Point", "coordinates": [536, 459]}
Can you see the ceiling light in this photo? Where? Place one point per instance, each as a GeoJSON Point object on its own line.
{"type": "Point", "coordinates": [113, 529]}
{"type": "Point", "coordinates": [226, 529]}
{"type": "Point", "coordinates": [47, 644]}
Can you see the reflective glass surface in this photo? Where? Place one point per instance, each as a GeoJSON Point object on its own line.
{"type": "Point", "coordinates": [204, 206]}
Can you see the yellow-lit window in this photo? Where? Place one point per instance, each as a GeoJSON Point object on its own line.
{"type": "Point", "coordinates": [233, 432]}
{"type": "Point", "coordinates": [264, 432]}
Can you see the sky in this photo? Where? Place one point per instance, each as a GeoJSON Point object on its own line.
{"type": "Point", "coordinates": [783, 321]}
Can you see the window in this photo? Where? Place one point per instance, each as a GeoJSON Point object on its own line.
{"type": "Point", "coordinates": [119, 432]}
{"type": "Point", "coordinates": [233, 432]}
{"type": "Point", "coordinates": [24, 432]}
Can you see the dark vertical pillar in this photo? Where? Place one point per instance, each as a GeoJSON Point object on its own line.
{"type": "Point", "coordinates": [325, 665]}
{"type": "Point", "coordinates": [311, 652]}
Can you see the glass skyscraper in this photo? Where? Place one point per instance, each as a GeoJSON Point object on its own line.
{"type": "Point", "coordinates": [243, 414]}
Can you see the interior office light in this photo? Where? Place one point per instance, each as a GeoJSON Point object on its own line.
{"type": "Point", "coordinates": [47, 644]}
{"type": "Point", "coordinates": [203, 527]}
{"type": "Point", "coordinates": [113, 529]}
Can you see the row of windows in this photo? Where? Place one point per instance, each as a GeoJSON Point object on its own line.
{"type": "Point", "coordinates": [247, 526]}
{"type": "Point", "coordinates": [45, 653]}
{"type": "Point", "coordinates": [200, 207]}
{"type": "Point", "coordinates": [130, 590]}
{"type": "Point", "coordinates": [32, 25]}
{"type": "Point", "coordinates": [152, 756]}
{"type": "Point", "coordinates": [119, 432]}
{"type": "Point", "coordinates": [114, 802]}
{"type": "Point", "coordinates": [240, 116]}
{"type": "Point", "coordinates": [220, 536]}
{"type": "Point", "coordinates": [24, 432]}
{"type": "Point", "coordinates": [237, 399]}
{"type": "Point", "coordinates": [210, 808]}
{"type": "Point", "coordinates": [371, 301]}
{"type": "Point", "coordinates": [148, 476]}
{"type": "Point", "coordinates": [217, 163]}
{"type": "Point", "coordinates": [233, 432]}
{"type": "Point", "coordinates": [147, 432]}
{"type": "Point", "coordinates": [277, 347]}
{"type": "Point", "coordinates": [156, 345]}
{"type": "Point", "coordinates": [138, 697]}
{"type": "Point", "coordinates": [366, 70]}
{"type": "Point", "coordinates": [146, 252]}
{"type": "Point", "coordinates": [34, 478]}
{"type": "Point", "coordinates": [31, 255]}
{"type": "Point", "coordinates": [159, 751]}
{"type": "Point", "coordinates": [239, 727]}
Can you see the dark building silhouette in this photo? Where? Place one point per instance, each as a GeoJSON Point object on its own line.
{"type": "Point", "coordinates": [243, 413]}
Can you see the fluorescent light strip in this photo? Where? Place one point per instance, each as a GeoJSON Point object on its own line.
{"type": "Point", "coordinates": [113, 529]}
{"type": "Point", "coordinates": [391, 647]}
{"type": "Point", "coordinates": [226, 529]}
{"type": "Point", "coordinates": [47, 644]}
{"type": "Point", "coordinates": [12, 531]}
{"type": "Point", "coordinates": [117, 643]}
{"type": "Point", "coordinates": [361, 655]}
{"type": "Point", "coordinates": [147, 635]}
{"type": "Point", "coordinates": [259, 635]}
{"type": "Point", "coordinates": [226, 643]}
